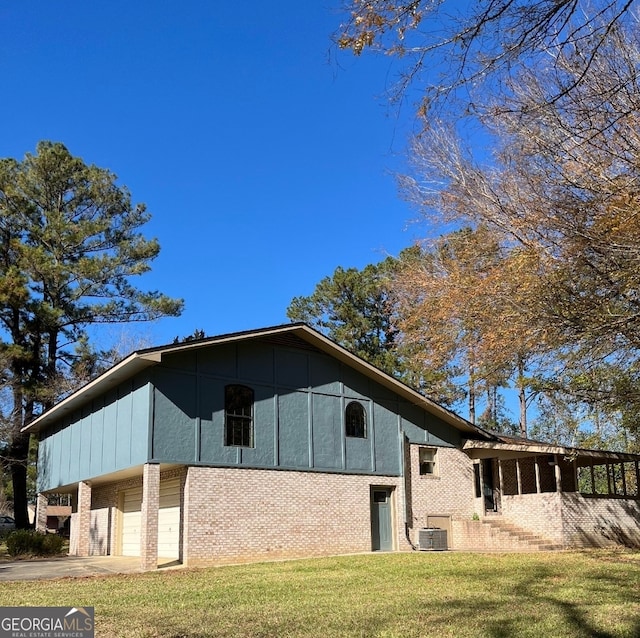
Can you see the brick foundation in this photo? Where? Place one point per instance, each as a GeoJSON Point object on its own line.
{"type": "Point", "coordinates": [574, 521]}
{"type": "Point", "coordinates": [239, 514]}
{"type": "Point", "coordinates": [234, 515]}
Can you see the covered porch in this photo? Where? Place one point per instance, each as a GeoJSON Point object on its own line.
{"type": "Point", "coordinates": [572, 496]}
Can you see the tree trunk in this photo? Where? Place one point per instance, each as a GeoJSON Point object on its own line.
{"type": "Point", "coordinates": [522, 399]}
{"type": "Point", "coordinates": [472, 403]}
{"type": "Point", "coordinates": [18, 457]}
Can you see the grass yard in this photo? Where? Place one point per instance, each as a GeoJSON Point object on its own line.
{"type": "Point", "coordinates": [401, 595]}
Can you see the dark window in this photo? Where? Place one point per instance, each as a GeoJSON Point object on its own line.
{"type": "Point", "coordinates": [476, 480]}
{"type": "Point", "coordinates": [379, 497]}
{"type": "Point", "coordinates": [427, 460]}
{"type": "Point", "coordinates": [356, 420]}
{"type": "Point", "coordinates": [238, 415]}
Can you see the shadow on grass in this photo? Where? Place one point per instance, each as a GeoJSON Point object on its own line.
{"type": "Point", "coordinates": [611, 588]}
{"type": "Point", "coordinates": [396, 596]}
{"type": "Point", "coordinates": [537, 600]}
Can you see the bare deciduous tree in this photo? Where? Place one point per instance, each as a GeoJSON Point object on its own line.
{"type": "Point", "coordinates": [563, 188]}
{"type": "Point", "coordinates": [453, 52]}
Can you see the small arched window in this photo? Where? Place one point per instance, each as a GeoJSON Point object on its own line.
{"type": "Point", "coordinates": [356, 420]}
{"type": "Point", "coordinates": [238, 416]}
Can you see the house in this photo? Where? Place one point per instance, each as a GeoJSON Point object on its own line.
{"type": "Point", "coordinates": [279, 443]}
{"type": "Point", "coordinates": [57, 517]}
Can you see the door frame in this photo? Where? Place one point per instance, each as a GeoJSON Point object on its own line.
{"type": "Point", "coordinates": [375, 511]}
{"type": "Point", "coordinates": [490, 491]}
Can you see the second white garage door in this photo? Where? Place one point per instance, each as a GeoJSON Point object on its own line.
{"type": "Point", "coordinates": [131, 518]}
{"type": "Point", "coordinates": [168, 520]}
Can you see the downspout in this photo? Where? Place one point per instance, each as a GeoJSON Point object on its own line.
{"type": "Point", "coordinates": [406, 474]}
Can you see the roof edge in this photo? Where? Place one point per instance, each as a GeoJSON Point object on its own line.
{"type": "Point", "coordinates": [538, 447]}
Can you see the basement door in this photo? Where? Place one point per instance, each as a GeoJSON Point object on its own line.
{"type": "Point", "coordinates": [381, 519]}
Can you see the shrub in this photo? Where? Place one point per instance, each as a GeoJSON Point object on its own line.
{"type": "Point", "coordinates": [52, 544]}
{"type": "Point", "coordinates": [28, 542]}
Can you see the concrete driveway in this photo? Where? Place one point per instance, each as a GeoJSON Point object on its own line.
{"type": "Point", "coordinates": [73, 566]}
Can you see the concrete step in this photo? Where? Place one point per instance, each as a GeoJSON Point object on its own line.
{"type": "Point", "coordinates": [512, 534]}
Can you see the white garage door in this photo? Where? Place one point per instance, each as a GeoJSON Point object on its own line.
{"type": "Point", "coordinates": [131, 518]}
{"type": "Point", "coordinates": [169, 520]}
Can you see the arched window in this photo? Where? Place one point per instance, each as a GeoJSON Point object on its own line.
{"type": "Point", "coordinates": [355, 420]}
{"type": "Point", "coordinates": [238, 416]}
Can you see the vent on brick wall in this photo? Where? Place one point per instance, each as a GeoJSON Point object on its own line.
{"type": "Point", "coordinates": [432, 538]}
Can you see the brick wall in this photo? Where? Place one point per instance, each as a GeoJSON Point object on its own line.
{"type": "Point", "coordinates": [237, 514]}
{"type": "Point", "coordinates": [598, 522]}
{"type": "Point", "coordinates": [234, 515]}
{"type": "Point", "coordinates": [149, 516]}
{"type": "Point", "coordinates": [539, 513]}
{"type": "Point", "coordinates": [449, 492]}
{"type": "Point", "coordinates": [483, 535]}
{"type": "Point", "coordinates": [573, 520]}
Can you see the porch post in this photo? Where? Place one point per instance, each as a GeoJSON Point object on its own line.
{"type": "Point", "coordinates": [149, 517]}
{"type": "Point", "coordinates": [41, 513]}
{"type": "Point", "coordinates": [500, 478]}
{"type": "Point", "coordinates": [84, 518]}
{"type": "Point", "coordinates": [558, 473]}
{"type": "Point", "coordinates": [537, 470]}
{"type": "Point", "coordinates": [518, 476]}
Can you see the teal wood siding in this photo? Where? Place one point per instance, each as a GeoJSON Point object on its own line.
{"type": "Point", "coordinates": [360, 453]}
{"type": "Point", "coordinates": [111, 433]}
{"type": "Point", "coordinates": [388, 440]}
{"type": "Point", "coordinates": [293, 429]}
{"type": "Point", "coordinates": [421, 427]}
{"type": "Point", "coordinates": [326, 417]}
{"type": "Point", "coordinates": [174, 413]}
{"type": "Point", "coordinates": [325, 375]}
{"type": "Point", "coordinates": [174, 416]}
{"type": "Point", "coordinates": [300, 398]}
{"type": "Point", "coordinates": [256, 362]}
{"type": "Point", "coordinates": [263, 454]}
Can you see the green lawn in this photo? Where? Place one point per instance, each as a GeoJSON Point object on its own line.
{"type": "Point", "coordinates": [576, 594]}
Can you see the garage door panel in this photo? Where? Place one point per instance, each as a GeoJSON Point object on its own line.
{"type": "Point", "coordinates": [131, 522]}
{"type": "Point", "coordinates": [168, 521]}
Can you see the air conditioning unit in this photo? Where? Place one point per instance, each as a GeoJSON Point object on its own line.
{"type": "Point", "coordinates": [432, 538]}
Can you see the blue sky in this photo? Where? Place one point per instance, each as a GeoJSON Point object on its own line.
{"type": "Point", "coordinates": [265, 157]}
